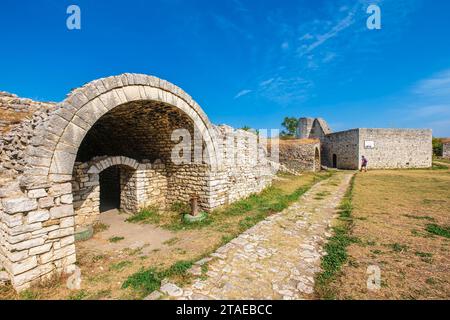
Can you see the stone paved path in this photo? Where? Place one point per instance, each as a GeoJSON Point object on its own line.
{"type": "Point", "coordinates": [275, 259]}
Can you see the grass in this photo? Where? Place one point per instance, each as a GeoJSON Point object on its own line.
{"type": "Point", "coordinates": [115, 239]}
{"type": "Point", "coordinates": [99, 227]}
{"type": "Point", "coordinates": [107, 276]}
{"type": "Point", "coordinates": [147, 215]}
{"type": "Point", "coordinates": [244, 213]}
{"type": "Point", "coordinates": [228, 221]}
{"type": "Point", "coordinates": [148, 280]}
{"type": "Point", "coordinates": [336, 248]}
{"type": "Point", "coordinates": [407, 214]}
{"type": "Point", "coordinates": [438, 230]}
{"type": "Point", "coordinates": [398, 247]}
{"type": "Point", "coordinates": [120, 265]}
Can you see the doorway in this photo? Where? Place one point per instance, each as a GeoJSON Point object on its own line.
{"type": "Point", "coordinates": [334, 161]}
{"type": "Point", "coordinates": [110, 189]}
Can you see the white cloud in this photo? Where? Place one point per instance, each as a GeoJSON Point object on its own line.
{"type": "Point", "coordinates": [433, 110]}
{"type": "Point", "coordinates": [242, 93]}
{"type": "Point", "coordinates": [435, 86]}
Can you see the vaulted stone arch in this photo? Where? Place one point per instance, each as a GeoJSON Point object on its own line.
{"type": "Point", "coordinates": [104, 164]}
{"type": "Point", "coordinates": [52, 155]}
{"type": "Point", "coordinates": [39, 203]}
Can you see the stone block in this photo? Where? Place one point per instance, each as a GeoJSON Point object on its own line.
{"type": "Point", "coordinates": [61, 211]}
{"type": "Point", "coordinates": [12, 206]}
{"type": "Point", "coordinates": [38, 216]}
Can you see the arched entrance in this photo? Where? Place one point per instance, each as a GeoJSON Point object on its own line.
{"type": "Point", "coordinates": [317, 162]}
{"type": "Point", "coordinates": [110, 189]}
{"type": "Point", "coordinates": [128, 116]}
{"type": "Point", "coordinates": [334, 160]}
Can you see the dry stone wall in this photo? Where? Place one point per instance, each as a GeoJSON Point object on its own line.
{"type": "Point", "coordinates": [344, 147]}
{"type": "Point", "coordinates": [396, 148]}
{"type": "Point", "coordinates": [300, 155]}
{"type": "Point", "coordinates": [39, 175]}
{"type": "Point", "coordinates": [446, 150]}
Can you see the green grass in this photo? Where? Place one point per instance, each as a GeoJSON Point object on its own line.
{"type": "Point", "coordinates": [147, 215]}
{"type": "Point", "coordinates": [120, 265]}
{"type": "Point", "coordinates": [171, 241]}
{"type": "Point", "coordinates": [148, 280]}
{"type": "Point", "coordinates": [438, 166]}
{"type": "Point", "coordinates": [438, 230]}
{"type": "Point", "coordinates": [419, 217]}
{"type": "Point", "coordinates": [99, 227]}
{"type": "Point", "coordinates": [336, 248]}
{"type": "Point", "coordinates": [397, 247]}
{"type": "Point", "coordinates": [115, 239]}
{"type": "Point", "coordinates": [79, 295]}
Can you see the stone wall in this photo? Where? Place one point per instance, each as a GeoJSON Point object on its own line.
{"type": "Point", "coordinates": [396, 148]}
{"type": "Point", "coordinates": [130, 116]}
{"type": "Point", "coordinates": [300, 154]}
{"type": "Point", "coordinates": [141, 185]}
{"type": "Point", "coordinates": [345, 146]}
{"type": "Point", "coordinates": [246, 167]}
{"type": "Point", "coordinates": [36, 232]}
{"type": "Point", "coordinates": [446, 150]}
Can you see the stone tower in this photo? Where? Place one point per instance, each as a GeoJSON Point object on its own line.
{"type": "Point", "coordinates": [304, 128]}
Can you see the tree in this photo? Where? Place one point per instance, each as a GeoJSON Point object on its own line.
{"type": "Point", "coordinates": [437, 147]}
{"type": "Point", "coordinates": [290, 124]}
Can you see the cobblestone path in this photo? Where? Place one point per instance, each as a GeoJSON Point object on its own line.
{"type": "Point", "coordinates": [275, 259]}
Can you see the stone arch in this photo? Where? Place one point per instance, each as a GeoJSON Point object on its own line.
{"type": "Point", "coordinates": [53, 153]}
{"type": "Point", "coordinates": [103, 164]}
{"type": "Point", "coordinates": [317, 160]}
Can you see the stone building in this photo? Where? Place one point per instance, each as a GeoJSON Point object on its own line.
{"type": "Point", "coordinates": [446, 148]}
{"type": "Point", "coordinates": [113, 141]}
{"type": "Point", "coordinates": [384, 148]}
{"type": "Point", "coordinates": [299, 155]}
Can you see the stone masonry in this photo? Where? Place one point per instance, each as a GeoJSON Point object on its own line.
{"type": "Point", "coordinates": [50, 163]}
{"type": "Point", "coordinates": [446, 149]}
{"type": "Point", "coordinates": [384, 148]}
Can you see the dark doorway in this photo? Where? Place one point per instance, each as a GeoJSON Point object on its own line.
{"type": "Point", "coordinates": [110, 189]}
{"type": "Point", "coordinates": [334, 161]}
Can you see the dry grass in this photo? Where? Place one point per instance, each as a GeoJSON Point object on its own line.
{"type": "Point", "coordinates": [12, 118]}
{"type": "Point", "coordinates": [104, 273]}
{"type": "Point", "coordinates": [392, 212]}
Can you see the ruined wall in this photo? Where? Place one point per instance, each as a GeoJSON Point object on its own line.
{"type": "Point", "coordinates": [446, 150]}
{"type": "Point", "coordinates": [304, 128]}
{"type": "Point", "coordinates": [245, 167]}
{"type": "Point", "coordinates": [345, 145]}
{"type": "Point", "coordinates": [300, 154]}
{"type": "Point", "coordinates": [37, 217]}
{"type": "Point", "coordinates": [141, 185]}
{"type": "Point", "coordinates": [396, 148]}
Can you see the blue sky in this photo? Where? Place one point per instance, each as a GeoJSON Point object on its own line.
{"type": "Point", "coordinates": [246, 62]}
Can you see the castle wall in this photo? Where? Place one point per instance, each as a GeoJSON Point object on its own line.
{"type": "Point", "coordinates": [300, 154]}
{"type": "Point", "coordinates": [38, 156]}
{"type": "Point", "coordinates": [396, 148]}
{"type": "Point", "coordinates": [446, 150]}
{"type": "Point", "coordinates": [345, 145]}
{"type": "Point", "coordinates": [304, 128]}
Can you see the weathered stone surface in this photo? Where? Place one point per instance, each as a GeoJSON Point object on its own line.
{"type": "Point", "coordinates": [38, 216]}
{"type": "Point", "coordinates": [155, 295]}
{"type": "Point", "coordinates": [17, 205]}
{"type": "Point", "coordinates": [171, 290]}
{"type": "Point", "coordinates": [61, 211]}
{"type": "Point", "coordinates": [277, 258]}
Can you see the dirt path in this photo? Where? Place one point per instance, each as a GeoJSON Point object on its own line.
{"type": "Point", "coordinates": [277, 258]}
{"type": "Point", "coordinates": [145, 236]}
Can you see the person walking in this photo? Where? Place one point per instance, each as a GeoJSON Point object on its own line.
{"type": "Point", "coordinates": [364, 164]}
